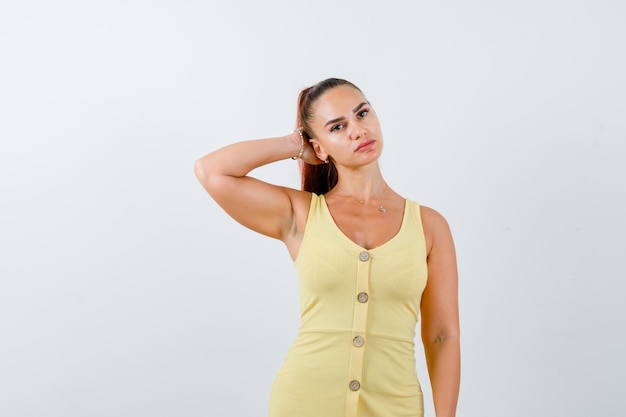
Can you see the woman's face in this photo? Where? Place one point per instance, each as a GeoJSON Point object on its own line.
{"type": "Point", "coordinates": [346, 128]}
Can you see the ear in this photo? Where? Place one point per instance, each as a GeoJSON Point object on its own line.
{"type": "Point", "coordinates": [318, 149]}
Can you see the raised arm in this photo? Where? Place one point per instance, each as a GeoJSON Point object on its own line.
{"type": "Point", "coordinates": [440, 315]}
{"type": "Point", "coordinates": [262, 207]}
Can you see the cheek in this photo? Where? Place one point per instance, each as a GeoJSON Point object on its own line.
{"type": "Point", "coordinates": [373, 121]}
{"type": "Point", "coordinates": [333, 143]}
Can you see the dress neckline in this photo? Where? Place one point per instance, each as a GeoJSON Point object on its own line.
{"type": "Point", "coordinates": [352, 242]}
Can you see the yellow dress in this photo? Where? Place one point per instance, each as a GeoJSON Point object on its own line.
{"type": "Point", "coordinates": [354, 354]}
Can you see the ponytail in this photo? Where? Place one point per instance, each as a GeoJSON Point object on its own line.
{"type": "Point", "coordinates": [318, 179]}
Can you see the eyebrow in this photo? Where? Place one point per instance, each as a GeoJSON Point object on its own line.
{"type": "Point", "coordinates": [356, 109]}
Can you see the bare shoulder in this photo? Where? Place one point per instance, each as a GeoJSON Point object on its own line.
{"type": "Point", "coordinates": [432, 218]}
{"type": "Point", "coordinates": [298, 197]}
{"type": "Point", "coordinates": [435, 226]}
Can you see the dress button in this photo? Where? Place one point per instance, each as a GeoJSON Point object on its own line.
{"type": "Point", "coordinates": [364, 256]}
{"type": "Point", "coordinates": [355, 385]}
{"type": "Point", "coordinates": [362, 297]}
{"type": "Point", "coordinates": [358, 341]}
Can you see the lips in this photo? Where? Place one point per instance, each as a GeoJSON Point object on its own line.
{"type": "Point", "coordinates": [365, 145]}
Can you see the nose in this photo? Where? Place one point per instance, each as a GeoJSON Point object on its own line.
{"type": "Point", "coordinates": [357, 131]}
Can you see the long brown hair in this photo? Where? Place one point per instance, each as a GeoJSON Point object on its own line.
{"type": "Point", "coordinates": [318, 179]}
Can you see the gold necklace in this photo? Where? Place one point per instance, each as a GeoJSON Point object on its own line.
{"type": "Point", "coordinates": [380, 207]}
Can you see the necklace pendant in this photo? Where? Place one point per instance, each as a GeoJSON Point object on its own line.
{"type": "Point", "coordinates": [382, 209]}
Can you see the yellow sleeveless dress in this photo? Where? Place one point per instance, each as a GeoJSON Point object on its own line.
{"type": "Point", "coordinates": [354, 353]}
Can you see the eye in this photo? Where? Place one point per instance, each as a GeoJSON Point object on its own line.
{"type": "Point", "coordinates": [362, 113]}
{"type": "Point", "coordinates": [336, 127]}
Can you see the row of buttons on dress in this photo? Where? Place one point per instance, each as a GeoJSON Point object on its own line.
{"type": "Point", "coordinates": [358, 341]}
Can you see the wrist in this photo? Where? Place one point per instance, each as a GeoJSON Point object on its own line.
{"type": "Point", "coordinates": [298, 136]}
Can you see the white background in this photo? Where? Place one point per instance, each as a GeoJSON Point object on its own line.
{"type": "Point", "coordinates": [126, 291]}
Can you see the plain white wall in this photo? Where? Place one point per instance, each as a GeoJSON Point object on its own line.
{"type": "Point", "coordinates": [125, 291]}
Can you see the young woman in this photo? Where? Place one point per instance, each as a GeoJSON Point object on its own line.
{"type": "Point", "coordinates": [369, 262]}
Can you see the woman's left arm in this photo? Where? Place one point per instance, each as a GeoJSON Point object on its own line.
{"type": "Point", "coordinates": [440, 315]}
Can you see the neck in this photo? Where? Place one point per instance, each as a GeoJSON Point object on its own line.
{"type": "Point", "coordinates": [364, 184]}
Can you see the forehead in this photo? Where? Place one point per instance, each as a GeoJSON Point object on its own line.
{"type": "Point", "coordinates": [337, 102]}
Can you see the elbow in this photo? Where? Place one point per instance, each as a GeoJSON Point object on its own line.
{"type": "Point", "coordinates": [199, 170]}
{"type": "Point", "coordinates": [205, 175]}
{"type": "Point", "coordinates": [438, 344]}
{"type": "Point", "coordinates": [205, 169]}
{"type": "Point", "coordinates": [441, 338]}
{"type": "Point", "coordinates": [212, 180]}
